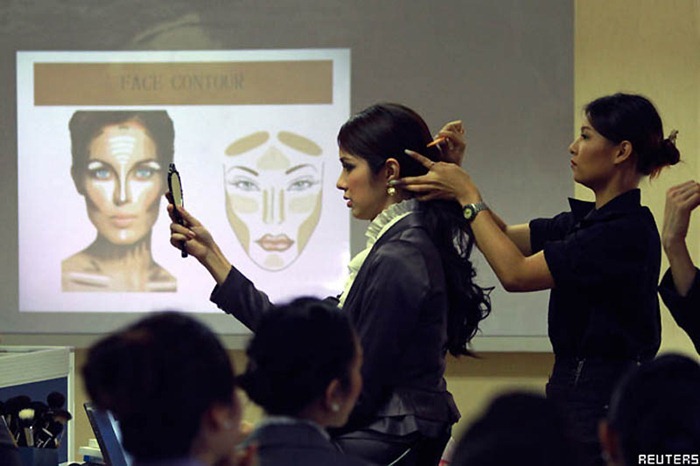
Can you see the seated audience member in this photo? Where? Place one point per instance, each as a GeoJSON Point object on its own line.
{"type": "Point", "coordinates": [680, 286]}
{"type": "Point", "coordinates": [304, 371]}
{"type": "Point", "coordinates": [516, 428]}
{"type": "Point", "coordinates": [654, 412]}
{"type": "Point", "coordinates": [170, 384]}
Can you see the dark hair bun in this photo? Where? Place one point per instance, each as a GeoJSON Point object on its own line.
{"type": "Point", "coordinates": [668, 152]}
{"type": "Point", "coordinates": [630, 117]}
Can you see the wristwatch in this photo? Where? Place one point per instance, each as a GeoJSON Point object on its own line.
{"type": "Point", "coordinates": [470, 210]}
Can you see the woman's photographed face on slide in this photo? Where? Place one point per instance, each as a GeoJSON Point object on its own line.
{"type": "Point", "coordinates": [123, 183]}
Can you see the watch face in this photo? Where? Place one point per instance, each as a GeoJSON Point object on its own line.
{"type": "Point", "coordinates": [469, 211]}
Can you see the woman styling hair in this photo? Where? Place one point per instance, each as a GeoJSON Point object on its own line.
{"type": "Point", "coordinates": [410, 295]}
{"type": "Point", "coordinates": [680, 285]}
{"type": "Point", "coordinates": [601, 260]}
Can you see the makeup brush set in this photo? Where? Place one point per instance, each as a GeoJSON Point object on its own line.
{"type": "Point", "coordinates": [36, 424]}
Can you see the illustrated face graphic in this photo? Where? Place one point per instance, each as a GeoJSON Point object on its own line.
{"type": "Point", "coordinates": [273, 195]}
{"type": "Point", "coordinates": [122, 183]}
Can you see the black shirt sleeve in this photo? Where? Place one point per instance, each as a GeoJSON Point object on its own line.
{"type": "Point", "coordinates": [238, 296]}
{"type": "Point", "coordinates": [684, 309]}
{"type": "Point", "coordinates": [600, 256]}
{"type": "Point", "coordinates": [543, 230]}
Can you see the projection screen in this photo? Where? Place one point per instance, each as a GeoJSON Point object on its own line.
{"type": "Point", "coordinates": [220, 71]}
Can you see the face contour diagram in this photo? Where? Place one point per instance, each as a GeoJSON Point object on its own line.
{"type": "Point", "coordinates": [364, 191]}
{"type": "Point", "coordinates": [122, 183]}
{"type": "Point", "coordinates": [593, 157]}
{"type": "Point", "coordinates": [273, 195]}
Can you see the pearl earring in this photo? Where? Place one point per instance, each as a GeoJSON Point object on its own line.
{"type": "Point", "coordinates": [335, 407]}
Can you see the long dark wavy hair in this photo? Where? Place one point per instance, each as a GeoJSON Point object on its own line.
{"type": "Point", "coordinates": [384, 131]}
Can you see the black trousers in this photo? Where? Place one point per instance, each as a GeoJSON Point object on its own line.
{"type": "Point", "coordinates": [581, 388]}
{"type": "Point", "coordinates": [413, 449]}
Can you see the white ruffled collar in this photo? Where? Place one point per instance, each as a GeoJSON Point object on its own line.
{"type": "Point", "coordinates": [387, 218]}
{"type": "Point", "coordinates": [381, 223]}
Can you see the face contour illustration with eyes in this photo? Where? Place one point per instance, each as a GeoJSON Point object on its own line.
{"type": "Point", "coordinates": [273, 195]}
{"type": "Point", "coordinates": [122, 183]}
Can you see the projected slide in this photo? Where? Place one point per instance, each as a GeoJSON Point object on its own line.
{"type": "Point", "coordinates": [253, 136]}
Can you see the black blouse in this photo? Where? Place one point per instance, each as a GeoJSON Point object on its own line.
{"type": "Point", "coordinates": [605, 264]}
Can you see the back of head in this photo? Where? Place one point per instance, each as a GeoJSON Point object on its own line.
{"type": "Point", "coordinates": [297, 350]}
{"type": "Point", "coordinates": [516, 428]}
{"type": "Point", "coordinates": [158, 377]}
{"type": "Point", "coordinates": [655, 408]}
{"type": "Point", "coordinates": [630, 117]}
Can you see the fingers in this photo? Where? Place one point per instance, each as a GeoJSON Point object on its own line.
{"type": "Point", "coordinates": [178, 241]}
{"type": "Point", "coordinates": [415, 184]}
{"type": "Point", "coordinates": [452, 142]}
{"type": "Point", "coordinates": [178, 229]}
{"type": "Point", "coordinates": [171, 213]}
{"type": "Point", "coordinates": [683, 188]}
{"type": "Point", "coordinates": [455, 126]}
{"type": "Point", "coordinates": [188, 218]}
{"type": "Point", "coordinates": [423, 160]}
{"type": "Point", "coordinates": [684, 195]}
{"type": "Point", "coordinates": [431, 195]}
{"type": "Point", "coordinates": [683, 185]}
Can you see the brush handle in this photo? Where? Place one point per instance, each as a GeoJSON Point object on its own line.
{"type": "Point", "coordinates": [44, 438]}
{"type": "Point", "coordinates": [29, 436]}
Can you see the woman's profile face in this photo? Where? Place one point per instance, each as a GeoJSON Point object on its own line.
{"type": "Point", "coordinates": [364, 192]}
{"type": "Point", "coordinates": [122, 183]}
{"type": "Point", "coordinates": [273, 197]}
{"type": "Point", "coordinates": [592, 157]}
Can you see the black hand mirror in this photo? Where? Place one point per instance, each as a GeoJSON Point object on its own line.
{"type": "Point", "coordinates": [175, 188]}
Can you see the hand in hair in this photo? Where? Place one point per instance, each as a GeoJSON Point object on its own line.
{"type": "Point", "coordinates": [443, 181]}
{"type": "Point", "coordinates": [453, 146]}
{"type": "Point", "coordinates": [681, 200]}
{"type": "Point", "coordinates": [199, 243]}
